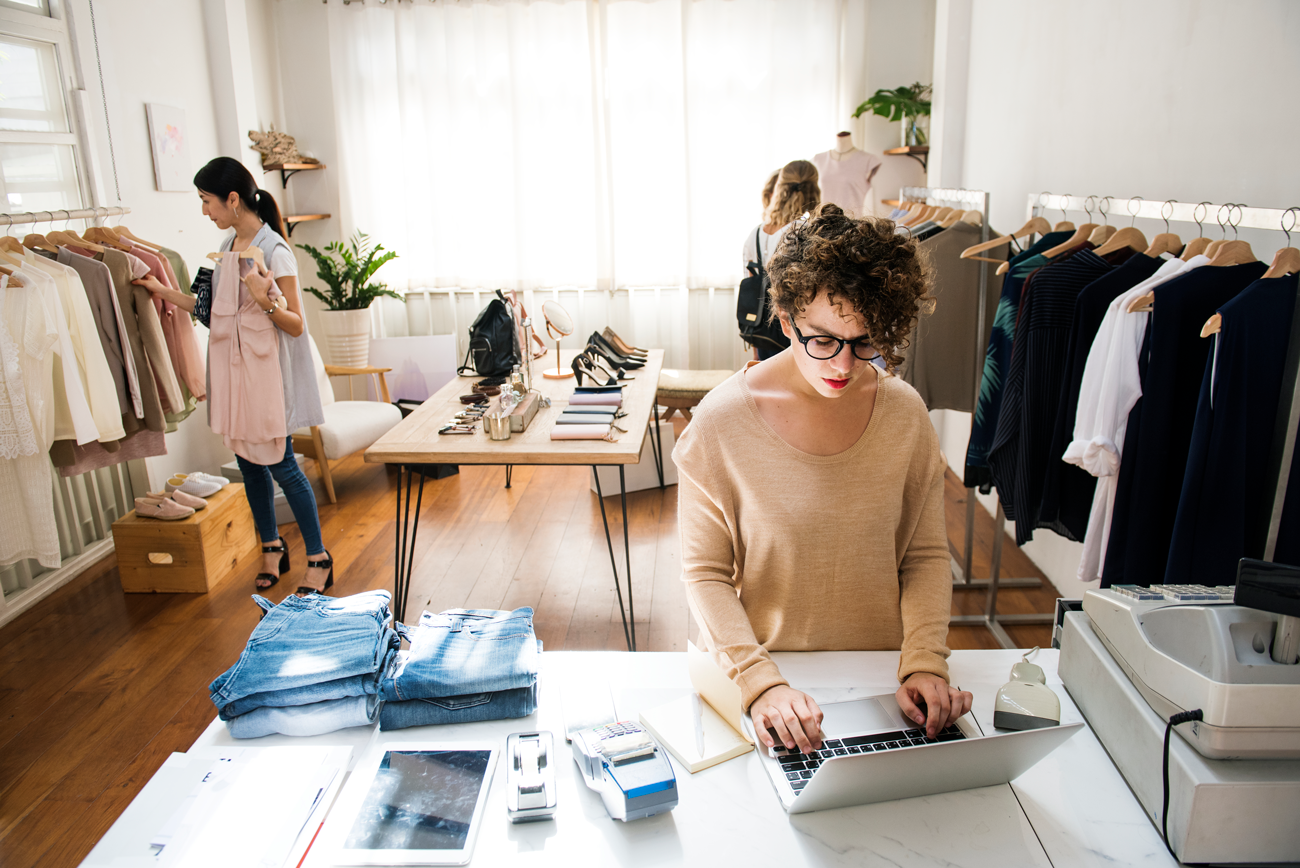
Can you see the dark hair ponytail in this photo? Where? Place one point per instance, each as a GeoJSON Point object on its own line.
{"type": "Point", "coordinates": [225, 175]}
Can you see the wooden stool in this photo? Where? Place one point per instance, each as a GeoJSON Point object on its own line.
{"type": "Point", "coordinates": [189, 555]}
{"type": "Point", "coordinates": [682, 390]}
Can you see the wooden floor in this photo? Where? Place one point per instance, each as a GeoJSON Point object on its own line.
{"type": "Point", "coordinates": [97, 688]}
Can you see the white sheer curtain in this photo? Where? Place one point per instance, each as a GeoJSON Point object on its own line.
{"type": "Point", "coordinates": [582, 145]}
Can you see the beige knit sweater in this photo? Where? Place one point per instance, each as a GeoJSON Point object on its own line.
{"type": "Point", "coordinates": [786, 551]}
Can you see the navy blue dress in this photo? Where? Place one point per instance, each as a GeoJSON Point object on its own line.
{"type": "Point", "coordinates": [1227, 499]}
{"type": "Point", "coordinates": [1158, 459]}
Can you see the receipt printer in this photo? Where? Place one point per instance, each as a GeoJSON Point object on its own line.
{"type": "Point", "coordinates": [623, 763]}
{"type": "Point", "coordinates": [530, 776]}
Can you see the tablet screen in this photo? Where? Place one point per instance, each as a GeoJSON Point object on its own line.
{"type": "Point", "coordinates": [420, 800]}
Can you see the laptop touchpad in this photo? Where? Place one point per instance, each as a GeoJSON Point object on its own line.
{"type": "Point", "coordinates": [855, 716]}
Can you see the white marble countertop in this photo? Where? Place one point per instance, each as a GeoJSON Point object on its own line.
{"type": "Point", "coordinates": [1071, 809]}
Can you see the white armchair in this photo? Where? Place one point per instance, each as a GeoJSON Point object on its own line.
{"type": "Point", "coordinates": [349, 426]}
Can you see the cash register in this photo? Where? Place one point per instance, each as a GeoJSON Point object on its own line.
{"type": "Point", "coordinates": [1221, 663]}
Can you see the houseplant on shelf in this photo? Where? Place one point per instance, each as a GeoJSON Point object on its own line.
{"type": "Point", "coordinates": [908, 104]}
{"type": "Point", "coordinates": [347, 271]}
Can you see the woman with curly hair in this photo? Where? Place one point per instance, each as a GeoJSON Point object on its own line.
{"type": "Point", "coordinates": [811, 487]}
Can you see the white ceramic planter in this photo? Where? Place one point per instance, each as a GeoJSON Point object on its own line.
{"type": "Point", "coordinates": [347, 335]}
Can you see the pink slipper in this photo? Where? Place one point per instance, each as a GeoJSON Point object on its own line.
{"type": "Point", "coordinates": [161, 508]}
{"type": "Point", "coordinates": [184, 499]}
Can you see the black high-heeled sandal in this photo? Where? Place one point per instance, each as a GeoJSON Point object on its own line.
{"type": "Point", "coordinates": [270, 579]}
{"type": "Point", "coordinates": [594, 360]}
{"type": "Point", "coordinates": [304, 590]}
{"type": "Point", "coordinates": [582, 368]}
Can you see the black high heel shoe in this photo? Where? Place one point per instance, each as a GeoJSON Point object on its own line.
{"type": "Point", "coordinates": [594, 360]}
{"type": "Point", "coordinates": [598, 346]}
{"type": "Point", "coordinates": [271, 579]}
{"type": "Point", "coordinates": [615, 357]}
{"type": "Point", "coordinates": [582, 368]}
{"type": "Point", "coordinates": [328, 563]}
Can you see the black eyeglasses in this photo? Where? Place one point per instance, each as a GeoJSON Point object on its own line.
{"type": "Point", "coordinates": [825, 347]}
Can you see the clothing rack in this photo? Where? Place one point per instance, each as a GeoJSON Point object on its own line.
{"type": "Point", "coordinates": [1234, 216]}
{"type": "Point", "coordinates": [62, 214]}
{"type": "Point", "coordinates": [962, 579]}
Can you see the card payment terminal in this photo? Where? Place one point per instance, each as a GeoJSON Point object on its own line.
{"type": "Point", "coordinates": [624, 763]}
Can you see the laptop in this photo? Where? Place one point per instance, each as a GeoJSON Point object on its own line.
{"type": "Point", "coordinates": [871, 753]}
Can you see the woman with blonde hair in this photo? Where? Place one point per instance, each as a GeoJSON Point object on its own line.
{"type": "Point", "coordinates": [793, 192]}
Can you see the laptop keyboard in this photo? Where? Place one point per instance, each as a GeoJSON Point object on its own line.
{"type": "Point", "coordinates": [799, 767]}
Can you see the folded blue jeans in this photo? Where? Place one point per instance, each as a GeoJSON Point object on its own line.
{"type": "Point", "coordinates": [502, 704]}
{"type": "Point", "coordinates": [465, 651]}
{"type": "Point", "coordinates": [306, 645]}
{"type": "Point", "coordinates": [318, 718]}
{"type": "Point", "coordinates": [339, 688]}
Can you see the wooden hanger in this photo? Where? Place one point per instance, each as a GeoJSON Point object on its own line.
{"type": "Point", "coordinates": [1165, 242]}
{"type": "Point", "coordinates": [14, 279]}
{"type": "Point", "coordinates": [1080, 235]}
{"type": "Point", "coordinates": [1143, 303]}
{"type": "Point", "coordinates": [1286, 261]}
{"type": "Point", "coordinates": [10, 243]}
{"type": "Point", "coordinates": [973, 217]}
{"type": "Point", "coordinates": [6, 256]}
{"type": "Point", "coordinates": [78, 241]}
{"type": "Point", "coordinates": [1119, 239]}
{"type": "Point", "coordinates": [35, 241]}
{"type": "Point", "coordinates": [1233, 253]}
{"type": "Point", "coordinates": [126, 233]}
{"type": "Point", "coordinates": [107, 237]}
{"type": "Point", "coordinates": [253, 253]}
{"type": "Point", "coordinates": [1101, 234]}
{"type": "Point", "coordinates": [1213, 247]}
{"type": "Point", "coordinates": [1035, 225]}
{"type": "Point", "coordinates": [1195, 247]}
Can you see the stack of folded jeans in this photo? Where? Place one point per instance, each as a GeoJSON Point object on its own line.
{"type": "Point", "coordinates": [313, 665]}
{"type": "Point", "coordinates": [464, 665]}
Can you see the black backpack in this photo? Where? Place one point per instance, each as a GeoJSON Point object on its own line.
{"type": "Point", "coordinates": [492, 351]}
{"type": "Point", "coordinates": [758, 327]}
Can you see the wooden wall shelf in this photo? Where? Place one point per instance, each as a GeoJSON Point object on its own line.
{"type": "Point", "coordinates": [291, 221]}
{"type": "Point", "coordinates": [288, 170]}
{"type": "Point", "coordinates": [916, 152]}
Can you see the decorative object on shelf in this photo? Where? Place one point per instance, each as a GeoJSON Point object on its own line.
{"type": "Point", "coordinates": [171, 151]}
{"type": "Point", "coordinates": [908, 104]}
{"type": "Point", "coordinates": [347, 271]}
{"type": "Point", "coordinates": [916, 152]}
{"type": "Point", "coordinates": [277, 148]}
{"type": "Point", "coordinates": [558, 325]}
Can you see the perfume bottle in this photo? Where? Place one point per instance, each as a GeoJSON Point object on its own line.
{"type": "Point", "coordinates": [517, 384]}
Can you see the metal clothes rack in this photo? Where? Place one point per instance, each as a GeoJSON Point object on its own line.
{"type": "Point", "coordinates": [62, 214]}
{"type": "Point", "coordinates": [962, 579]}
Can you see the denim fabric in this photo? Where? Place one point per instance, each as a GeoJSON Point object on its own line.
{"type": "Point", "coordinates": [304, 720]}
{"type": "Point", "coordinates": [465, 651]}
{"type": "Point", "coordinates": [339, 688]}
{"type": "Point", "coordinates": [306, 645]}
{"type": "Point", "coordinates": [519, 702]}
{"type": "Point", "coordinates": [297, 490]}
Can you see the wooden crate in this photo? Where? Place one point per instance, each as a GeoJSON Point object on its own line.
{"type": "Point", "coordinates": [191, 555]}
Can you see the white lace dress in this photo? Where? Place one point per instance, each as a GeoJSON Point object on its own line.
{"type": "Point", "coordinates": [28, 332]}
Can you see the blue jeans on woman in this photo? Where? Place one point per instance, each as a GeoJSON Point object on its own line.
{"type": "Point", "coordinates": [297, 490]}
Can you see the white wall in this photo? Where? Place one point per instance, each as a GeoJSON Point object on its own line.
{"type": "Point", "coordinates": [1166, 99]}
{"type": "Point", "coordinates": [154, 51]}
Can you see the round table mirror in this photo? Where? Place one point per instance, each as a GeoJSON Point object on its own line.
{"type": "Point", "coordinates": [558, 325]}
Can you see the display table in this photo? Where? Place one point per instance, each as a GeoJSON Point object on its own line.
{"type": "Point", "coordinates": [1072, 809]}
{"type": "Point", "coordinates": [415, 442]}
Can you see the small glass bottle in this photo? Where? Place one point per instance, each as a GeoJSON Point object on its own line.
{"type": "Point", "coordinates": [517, 384]}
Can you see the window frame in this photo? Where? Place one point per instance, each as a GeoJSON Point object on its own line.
{"type": "Point", "coordinates": [53, 30]}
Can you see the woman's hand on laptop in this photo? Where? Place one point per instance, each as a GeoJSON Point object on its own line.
{"type": "Point", "coordinates": [927, 699]}
{"type": "Point", "coordinates": [785, 714]}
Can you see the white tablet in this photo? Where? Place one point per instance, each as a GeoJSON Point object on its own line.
{"type": "Point", "coordinates": [413, 803]}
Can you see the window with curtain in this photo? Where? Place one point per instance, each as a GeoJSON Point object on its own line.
{"type": "Point", "coordinates": [582, 145]}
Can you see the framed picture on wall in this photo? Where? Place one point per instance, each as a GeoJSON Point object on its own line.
{"type": "Point", "coordinates": [169, 139]}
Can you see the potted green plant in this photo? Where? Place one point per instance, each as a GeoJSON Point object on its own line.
{"type": "Point", "coordinates": [347, 272]}
{"type": "Point", "coordinates": [908, 104]}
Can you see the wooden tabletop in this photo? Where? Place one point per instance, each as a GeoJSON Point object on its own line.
{"type": "Point", "coordinates": [416, 440]}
